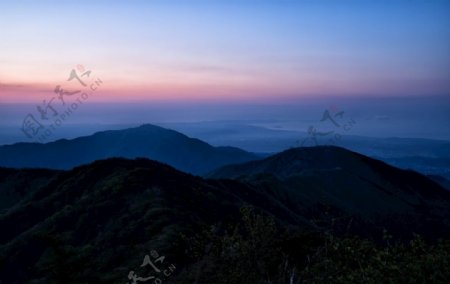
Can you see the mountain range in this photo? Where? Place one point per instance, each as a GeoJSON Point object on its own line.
{"type": "Point", "coordinates": [94, 223]}
{"type": "Point", "coordinates": [150, 141]}
{"type": "Point", "coordinates": [113, 197]}
{"type": "Point", "coordinates": [346, 182]}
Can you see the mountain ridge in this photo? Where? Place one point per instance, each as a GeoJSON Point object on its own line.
{"type": "Point", "coordinates": [350, 181]}
{"type": "Point", "coordinates": [150, 141]}
{"type": "Point", "coordinates": [95, 222]}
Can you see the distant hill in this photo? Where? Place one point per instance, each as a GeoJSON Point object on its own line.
{"type": "Point", "coordinates": [352, 183]}
{"type": "Point", "coordinates": [427, 156]}
{"type": "Point", "coordinates": [95, 223]}
{"type": "Point", "coordinates": [157, 143]}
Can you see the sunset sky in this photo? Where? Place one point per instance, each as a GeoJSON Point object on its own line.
{"type": "Point", "coordinates": [386, 63]}
{"type": "Point", "coordinates": [226, 50]}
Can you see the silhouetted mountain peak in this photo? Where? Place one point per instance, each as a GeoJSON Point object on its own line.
{"type": "Point", "coordinates": [297, 160]}
{"type": "Point", "coordinates": [150, 141]}
{"type": "Point", "coordinates": [341, 174]}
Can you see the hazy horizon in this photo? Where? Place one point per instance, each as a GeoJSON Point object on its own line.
{"type": "Point", "coordinates": [271, 64]}
{"type": "Point", "coordinates": [425, 118]}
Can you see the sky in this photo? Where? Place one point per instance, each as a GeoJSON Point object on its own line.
{"type": "Point", "coordinates": [224, 52]}
{"type": "Point", "coordinates": [153, 50]}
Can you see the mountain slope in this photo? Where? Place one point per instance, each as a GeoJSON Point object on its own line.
{"type": "Point", "coordinates": [445, 183]}
{"type": "Point", "coordinates": [353, 183]}
{"type": "Point", "coordinates": [15, 185]}
{"type": "Point", "coordinates": [105, 216]}
{"type": "Point", "coordinates": [96, 222]}
{"type": "Point", "coordinates": [157, 143]}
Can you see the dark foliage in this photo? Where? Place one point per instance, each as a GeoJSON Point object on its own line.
{"type": "Point", "coordinates": [319, 224]}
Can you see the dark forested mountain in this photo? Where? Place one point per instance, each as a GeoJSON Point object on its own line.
{"type": "Point", "coordinates": [345, 180]}
{"type": "Point", "coordinates": [96, 222]}
{"type": "Point", "coordinates": [157, 143]}
{"type": "Point", "coordinates": [104, 216]}
{"type": "Point", "coordinates": [15, 185]}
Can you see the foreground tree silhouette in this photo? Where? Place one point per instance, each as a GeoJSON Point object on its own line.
{"type": "Point", "coordinates": [256, 251]}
